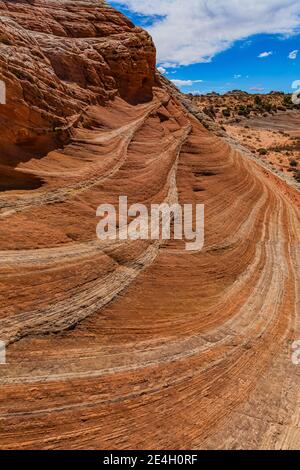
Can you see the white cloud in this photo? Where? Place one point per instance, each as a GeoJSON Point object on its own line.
{"type": "Point", "coordinates": [293, 54]}
{"type": "Point", "coordinates": [193, 32]}
{"type": "Point", "coordinates": [169, 65]}
{"type": "Point", "coordinates": [265, 54]}
{"type": "Point", "coordinates": [236, 77]}
{"type": "Point", "coordinates": [181, 83]}
{"type": "Point", "coordinates": [162, 70]}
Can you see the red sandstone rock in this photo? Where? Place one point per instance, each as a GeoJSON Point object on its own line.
{"type": "Point", "coordinates": [57, 58]}
{"type": "Point", "coordinates": [133, 344]}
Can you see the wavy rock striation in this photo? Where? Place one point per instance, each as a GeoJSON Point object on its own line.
{"type": "Point", "coordinates": [133, 344]}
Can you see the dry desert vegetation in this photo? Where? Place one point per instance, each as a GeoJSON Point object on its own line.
{"type": "Point", "coordinates": [268, 125]}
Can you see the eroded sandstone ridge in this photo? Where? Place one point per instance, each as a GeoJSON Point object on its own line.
{"type": "Point", "coordinates": [57, 58]}
{"type": "Point", "coordinates": [133, 344]}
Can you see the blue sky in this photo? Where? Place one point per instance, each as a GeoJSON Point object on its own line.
{"type": "Point", "coordinates": [220, 45]}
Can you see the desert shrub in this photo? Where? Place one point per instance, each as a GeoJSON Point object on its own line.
{"type": "Point", "coordinates": [297, 176]}
{"type": "Point", "coordinates": [267, 107]}
{"type": "Point", "coordinates": [258, 100]}
{"type": "Point", "coordinates": [287, 100]}
{"type": "Point", "coordinates": [243, 111]}
{"type": "Point", "coordinates": [293, 163]}
{"type": "Point", "coordinates": [210, 112]}
{"type": "Point", "coordinates": [226, 112]}
{"type": "Point", "coordinates": [262, 151]}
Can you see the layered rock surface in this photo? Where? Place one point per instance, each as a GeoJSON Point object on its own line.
{"type": "Point", "coordinates": [135, 344]}
{"type": "Point", "coordinates": [57, 58]}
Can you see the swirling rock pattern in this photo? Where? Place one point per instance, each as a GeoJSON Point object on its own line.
{"type": "Point", "coordinates": [137, 344]}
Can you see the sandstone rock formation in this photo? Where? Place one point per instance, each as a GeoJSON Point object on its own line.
{"type": "Point", "coordinates": [133, 344]}
{"type": "Point", "coordinates": [56, 59]}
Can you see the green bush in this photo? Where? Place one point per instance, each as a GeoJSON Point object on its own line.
{"type": "Point", "coordinates": [287, 100]}
{"type": "Point", "coordinates": [226, 112]}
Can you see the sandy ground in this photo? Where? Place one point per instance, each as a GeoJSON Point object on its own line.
{"type": "Point", "coordinates": [279, 146]}
{"type": "Point", "coordinates": [264, 124]}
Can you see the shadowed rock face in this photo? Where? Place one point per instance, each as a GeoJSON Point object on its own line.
{"type": "Point", "coordinates": [134, 344]}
